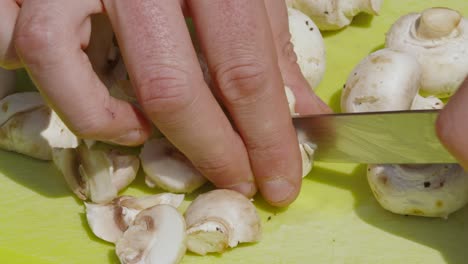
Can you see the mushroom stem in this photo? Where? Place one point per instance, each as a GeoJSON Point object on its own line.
{"type": "Point", "coordinates": [437, 22]}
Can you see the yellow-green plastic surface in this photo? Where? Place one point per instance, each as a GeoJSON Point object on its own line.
{"type": "Point", "coordinates": [335, 219]}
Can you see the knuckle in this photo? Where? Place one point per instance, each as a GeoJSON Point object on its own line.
{"type": "Point", "coordinates": [165, 90]}
{"type": "Point", "coordinates": [216, 168]}
{"type": "Point", "coordinates": [241, 80]}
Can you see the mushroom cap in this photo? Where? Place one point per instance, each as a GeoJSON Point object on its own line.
{"type": "Point", "coordinates": [225, 216]}
{"type": "Point", "coordinates": [156, 236]}
{"type": "Point", "coordinates": [109, 221]}
{"type": "Point", "coordinates": [7, 82]}
{"type": "Point", "coordinates": [168, 168]}
{"type": "Point", "coordinates": [336, 14]}
{"type": "Point", "coordinates": [384, 80]}
{"type": "Point", "coordinates": [308, 46]}
{"type": "Point", "coordinates": [444, 60]}
{"type": "Point", "coordinates": [426, 190]}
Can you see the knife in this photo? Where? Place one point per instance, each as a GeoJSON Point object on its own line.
{"type": "Point", "coordinates": [394, 137]}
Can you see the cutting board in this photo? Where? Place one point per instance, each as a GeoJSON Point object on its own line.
{"type": "Point", "coordinates": [335, 219]}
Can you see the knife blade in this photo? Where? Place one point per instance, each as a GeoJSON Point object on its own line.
{"type": "Point", "coordinates": [394, 137]}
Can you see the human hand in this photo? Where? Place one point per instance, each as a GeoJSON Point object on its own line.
{"type": "Point", "coordinates": [246, 44]}
{"type": "Point", "coordinates": [452, 125]}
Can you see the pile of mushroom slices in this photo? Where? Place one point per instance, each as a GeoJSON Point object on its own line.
{"type": "Point", "coordinates": [425, 58]}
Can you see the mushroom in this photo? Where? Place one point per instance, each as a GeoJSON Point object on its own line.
{"type": "Point", "coordinates": [7, 82]}
{"type": "Point", "coordinates": [94, 173]}
{"type": "Point", "coordinates": [165, 166]}
{"type": "Point", "coordinates": [109, 221]}
{"type": "Point", "coordinates": [220, 219]}
{"type": "Point", "coordinates": [423, 190]}
{"type": "Point", "coordinates": [336, 14]}
{"type": "Point", "coordinates": [438, 37]}
{"type": "Point", "coordinates": [389, 80]}
{"type": "Point", "coordinates": [156, 236]}
{"type": "Point", "coordinates": [28, 126]}
{"type": "Point", "coordinates": [384, 80]}
{"type": "Point", "coordinates": [308, 46]}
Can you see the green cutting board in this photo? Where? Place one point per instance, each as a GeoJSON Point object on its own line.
{"type": "Point", "coordinates": [335, 219]}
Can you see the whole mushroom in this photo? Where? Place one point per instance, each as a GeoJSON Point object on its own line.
{"type": "Point", "coordinates": [335, 14]}
{"type": "Point", "coordinates": [389, 80]}
{"type": "Point", "coordinates": [438, 37]}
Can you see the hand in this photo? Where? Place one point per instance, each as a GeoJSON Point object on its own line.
{"type": "Point", "coordinates": [246, 44]}
{"type": "Point", "coordinates": [452, 125]}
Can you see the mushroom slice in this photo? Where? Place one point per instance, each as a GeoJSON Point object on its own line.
{"type": "Point", "coordinates": [29, 127]}
{"type": "Point", "coordinates": [336, 14]}
{"type": "Point", "coordinates": [156, 236]}
{"type": "Point", "coordinates": [220, 219]}
{"type": "Point", "coordinates": [384, 80]}
{"type": "Point", "coordinates": [438, 37]}
{"type": "Point", "coordinates": [307, 154]}
{"type": "Point", "coordinates": [308, 46]}
{"type": "Point", "coordinates": [94, 173]}
{"type": "Point", "coordinates": [168, 168]}
{"type": "Point", "coordinates": [424, 190]}
{"type": "Point", "coordinates": [430, 102]}
{"type": "Point", "coordinates": [109, 221]}
{"type": "Point", "coordinates": [7, 82]}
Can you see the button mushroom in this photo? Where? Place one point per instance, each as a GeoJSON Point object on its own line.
{"type": "Point", "coordinates": [308, 46]}
{"type": "Point", "coordinates": [336, 14]}
{"type": "Point", "coordinates": [109, 221]}
{"type": "Point", "coordinates": [389, 80]}
{"type": "Point", "coordinates": [384, 80]}
{"type": "Point", "coordinates": [156, 236]}
{"type": "Point", "coordinates": [165, 166]}
{"type": "Point", "coordinates": [439, 39]}
{"type": "Point", "coordinates": [7, 82]}
{"type": "Point", "coordinates": [220, 219]}
{"type": "Point", "coordinates": [96, 174]}
{"type": "Point", "coordinates": [28, 126]}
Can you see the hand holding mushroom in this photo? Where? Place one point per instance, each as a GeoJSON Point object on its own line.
{"type": "Point", "coordinates": [236, 148]}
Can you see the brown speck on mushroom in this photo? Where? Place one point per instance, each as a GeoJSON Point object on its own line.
{"type": "Point", "coordinates": [307, 22]}
{"type": "Point", "coordinates": [427, 184]}
{"type": "Point", "coordinates": [439, 203]}
{"type": "Point", "coordinates": [326, 12]}
{"type": "Point", "coordinates": [311, 29]}
{"type": "Point", "coordinates": [269, 218]}
{"type": "Point", "coordinates": [417, 212]}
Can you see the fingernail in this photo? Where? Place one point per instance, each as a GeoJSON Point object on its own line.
{"type": "Point", "coordinates": [278, 191]}
{"type": "Point", "coordinates": [246, 188]}
{"type": "Point", "coordinates": [132, 138]}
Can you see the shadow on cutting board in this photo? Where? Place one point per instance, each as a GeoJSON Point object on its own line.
{"type": "Point", "coordinates": [449, 237]}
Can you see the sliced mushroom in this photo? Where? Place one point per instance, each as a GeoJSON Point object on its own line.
{"type": "Point", "coordinates": [30, 127]}
{"type": "Point", "coordinates": [430, 102]}
{"type": "Point", "coordinates": [220, 219]}
{"type": "Point", "coordinates": [336, 14]}
{"type": "Point", "coordinates": [109, 221]}
{"type": "Point", "coordinates": [156, 236]}
{"type": "Point", "coordinates": [166, 167]}
{"type": "Point", "coordinates": [7, 82]}
{"type": "Point", "coordinates": [308, 46]}
{"type": "Point", "coordinates": [438, 37]}
{"type": "Point", "coordinates": [96, 174]}
{"type": "Point", "coordinates": [384, 80]}
{"type": "Point", "coordinates": [428, 190]}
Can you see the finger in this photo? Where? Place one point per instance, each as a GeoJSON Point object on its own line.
{"type": "Point", "coordinates": [236, 39]}
{"type": "Point", "coordinates": [50, 37]}
{"type": "Point", "coordinates": [452, 125]}
{"type": "Point", "coordinates": [307, 102]}
{"type": "Point", "coordinates": [9, 10]}
{"type": "Point", "coordinates": [163, 67]}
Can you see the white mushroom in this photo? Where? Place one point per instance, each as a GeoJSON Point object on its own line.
{"type": "Point", "coordinates": [166, 167]}
{"type": "Point", "coordinates": [385, 80]}
{"type": "Point", "coordinates": [156, 236]}
{"type": "Point", "coordinates": [308, 46]}
{"type": "Point", "coordinates": [430, 102]}
{"type": "Point", "coordinates": [220, 219]}
{"type": "Point", "coordinates": [7, 82]}
{"type": "Point", "coordinates": [28, 126]}
{"type": "Point", "coordinates": [439, 39]}
{"type": "Point", "coordinates": [336, 14]}
{"type": "Point", "coordinates": [423, 190]}
{"type": "Point", "coordinates": [109, 221]}
{"type": "Point", "coordinates": [95, 173]}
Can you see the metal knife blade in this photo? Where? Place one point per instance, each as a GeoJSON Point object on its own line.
{"type": "Point", "coordinates": [399, 137]}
